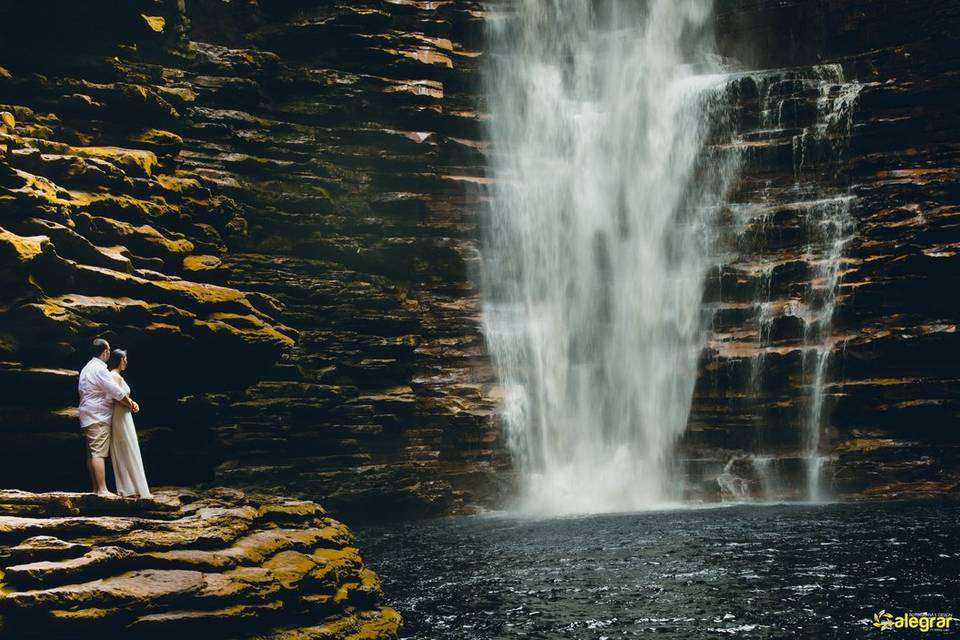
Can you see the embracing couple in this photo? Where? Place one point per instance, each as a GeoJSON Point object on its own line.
{"type": "Point", "coordinates": [106, 419]}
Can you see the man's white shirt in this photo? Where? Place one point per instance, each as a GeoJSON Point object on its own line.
{"type": "Point", "coordinates": [98, 390]}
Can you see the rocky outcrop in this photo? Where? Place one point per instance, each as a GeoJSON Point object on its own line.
{"type": "Point", "coordinates": [219, 563]}
{"type": "Point", "coordinates": [267, 205]}
{"type": "Point", "coordinates": [274, 207]}
{"type": "Point", "coordinates": [890, 402]}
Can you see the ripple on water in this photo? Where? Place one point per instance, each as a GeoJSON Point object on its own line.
{"type": "Point", "coordinates": [777, 571]}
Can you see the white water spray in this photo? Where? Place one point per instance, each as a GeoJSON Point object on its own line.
{"type": "Point", "coordinates": [598, 239]}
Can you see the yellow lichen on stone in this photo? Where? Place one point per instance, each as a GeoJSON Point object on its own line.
{"type": "Point", "coordinates": [358, 588]}
{"type": "Point", "coordinates": [178, 184]}
{"type": "Point", "coordinates": [162, 326]}
{"type": "Point", "coordinates": [136, 159]}
{"type": "Point", "coordinates": [245, 326]}
{"type": "Point", "coordinates": [385, 624]}
{"type": "Point", "coordinates": [334, 565]}
{"type": "Point", "coordinates": [137, 89]}
{"type": "Point", "coordinates": [202, 292]}
{"type": "Point", "coordinates": [292, 509]}
{"type": "Point", "coordinates": [146, 233]}
{"type": "Point", "coordinates": [290, 568]}
{"type": "Point", "coordinates": [37, 131]}
{"type": "Point", "coordinates": [183, 94]}
{"type": "Point", "coordinates": [166, 564]}
{"type": "Point", "coordinates": [92, 613]}
{"type": "Point", "coordinates": [160, 138]}
{"type": "Point", "coordinates": [44, 189]}
{"type": "Point", "coordinates": [107, 308]}
{"type": "Point", "coordinates": [156, 23]}
{"type": "Point", "coordinates": [201, 263]}
{"type": "Point", "coordinates": [128, 207]}
{"type": "Point", "coordinates": [49, 309]}
{"type": "Point", "coordinates": [381, 624]}
{"type": "Point", "coordinates": [256, 547]}
{"type": "Point", "coordinates": [370, 582]}
{"type": "Point", "coordinates": [7, 119]}
{"type": "Point", "coordinates": [26, 248]}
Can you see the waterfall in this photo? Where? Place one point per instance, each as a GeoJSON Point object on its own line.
{"type": "Point", "coordinates": [600, 231]}
{"type": "Point", "coordinates": [822, 195]}
{"type": "Point", "coordinates": [830, 228]}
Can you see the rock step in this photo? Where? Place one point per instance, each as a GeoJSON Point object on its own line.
{"type": "Point", "coordinates": [219, 563]}
{"type": "Point", "coordinates": [42, 548]}
{"type": "Point", "coordinates": [14, 502]}
{"type": "Point", "coordinates": [96, 562]}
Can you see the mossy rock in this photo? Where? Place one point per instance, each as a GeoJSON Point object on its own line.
{"type": "Point", "coordinates": [164, 140]}
{"type": "Point", "coordinates": [139, 161]}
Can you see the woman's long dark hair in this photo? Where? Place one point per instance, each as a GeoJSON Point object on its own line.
{"type": "Point", "coordinates": [115, 357]}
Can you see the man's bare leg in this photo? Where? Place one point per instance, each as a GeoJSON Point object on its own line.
{"type": "Point", "coordinates": [98, 476]}
{"type": "Point", "coordinates": [93, 476]}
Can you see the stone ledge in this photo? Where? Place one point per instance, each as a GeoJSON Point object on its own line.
{"type": "Point", "coordinates": [221, 562]}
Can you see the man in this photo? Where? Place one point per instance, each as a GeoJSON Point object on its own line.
{"type": "Point", "coordinates": [98, 391]}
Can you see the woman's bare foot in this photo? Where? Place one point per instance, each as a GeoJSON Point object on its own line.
{"type": "Point", "coordinates": [106, 494]}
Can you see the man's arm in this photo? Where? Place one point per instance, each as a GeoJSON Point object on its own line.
{"type": "Point", "coordinates": [128, 402]}
{"type": "Point", "coordinates": [115, 391]}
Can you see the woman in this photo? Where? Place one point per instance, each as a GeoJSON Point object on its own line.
{"type": "Point", "coordinates": [125, 449]}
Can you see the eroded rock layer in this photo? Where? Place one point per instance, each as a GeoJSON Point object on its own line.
{"type": "Point", "coordinates": [218, 563]}
{"type": "Point", "coordinates": [848, 120]}
{"type": "Point", "coordinates": [266, 204]}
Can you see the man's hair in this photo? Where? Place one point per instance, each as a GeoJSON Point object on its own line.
{"type": "Point", "coordinates": [98, 346]}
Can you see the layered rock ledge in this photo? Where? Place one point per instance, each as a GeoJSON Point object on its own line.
{"type": "Point", "coordinates": [218, 562]}
{"type": "Point", "coordinates": [266, 204]}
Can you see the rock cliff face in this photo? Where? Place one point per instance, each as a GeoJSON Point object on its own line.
{"type": "Point", "coordinates": [273, 207]}
{"type": "Point", "coordinates": [219, 563]}
{"type": "Point", "coordinates": [849, 184]}
{"type": "Point", "coordinates": [266, 204]}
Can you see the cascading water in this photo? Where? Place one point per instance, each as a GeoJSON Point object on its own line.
{"type": "Point", "coordinates": [598, 238]}
{"type": "Point", "coordinates": [820, 194]}
{"type": "Point", "coordinates": [831, 226]}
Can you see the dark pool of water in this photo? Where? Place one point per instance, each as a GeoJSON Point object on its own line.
{"type": "Point", "coordinates": [779, 571]}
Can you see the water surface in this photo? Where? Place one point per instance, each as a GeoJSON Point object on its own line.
{"type": "Point", "coordinates": [777, 571]}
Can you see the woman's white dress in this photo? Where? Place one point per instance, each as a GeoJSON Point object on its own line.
{"type": "Point", "coordinates": [125, 452]}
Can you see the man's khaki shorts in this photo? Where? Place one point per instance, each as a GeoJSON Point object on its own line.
{"type": "Point", "coordinates": [98, 439]}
